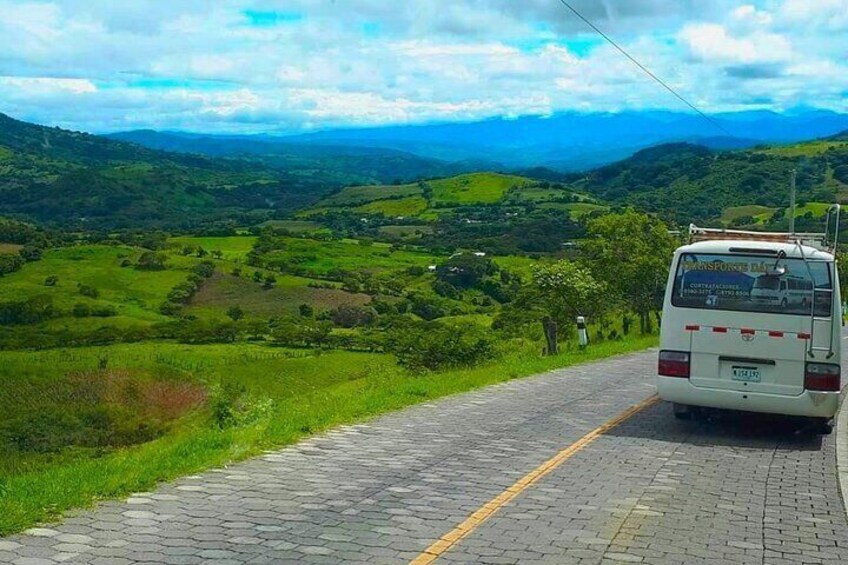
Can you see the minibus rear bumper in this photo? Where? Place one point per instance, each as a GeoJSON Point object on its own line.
{"type": "Point", "coordinates": [808, 403]}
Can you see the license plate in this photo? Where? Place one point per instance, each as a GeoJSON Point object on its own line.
{"type": "Point", "coordinates": [746, 374]}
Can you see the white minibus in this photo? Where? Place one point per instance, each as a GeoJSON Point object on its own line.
{"type": "Point", "coordinates": [752, 321]}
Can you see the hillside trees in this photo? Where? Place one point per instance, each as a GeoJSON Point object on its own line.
{"type": "Point", "coordinates": [840, 173]}
{"type": "Point", "coordinates": [465, 270]}
{"type": "Point", "coordinates": [631, 252]}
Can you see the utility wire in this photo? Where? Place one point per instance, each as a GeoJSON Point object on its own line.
{"type": "Point", "coordinates": [644, 68]}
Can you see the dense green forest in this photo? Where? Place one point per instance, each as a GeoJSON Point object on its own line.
{"type": "Point", "coordinates": [685, 183]}
{"type": "Point", "coordinates": [73, 179]}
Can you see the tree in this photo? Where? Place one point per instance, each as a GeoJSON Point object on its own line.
{"type": "Point", "coordinates": [465, 270]}
{"type": "Point", "coordinates": [631, 252]}
{"type": "Point", "coordinates": [350, 316]}
{"type": "Point", "coordinates": [235, 313]}
{"type": "Point", "coordinates": [51, 280]}
{"type": "Point", "coordinates": [151, 261]}
{"type": "Point", "coordinates": [301, 332]}
{"type": "Point", "coordinates": [559, 293]}
{"type": "Point", "coordinates": [217, 253]}
{"type": "Point", "coordinates": [204, 269]}
{"type": "Point", "coordinates": [433, 345]}
{"type": "Point", "coordinates": [270, 281]}
{"type": "Point", "coordinates": [306, 311]}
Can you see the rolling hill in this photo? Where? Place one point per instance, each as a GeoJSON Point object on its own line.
{"type": "Point", "coordinates": [686, 182]}
{"type": "Point", "coordinates": [68, 178]}
{"type": "Point", "coordinates": [452, 196]}
{"type": "Point", "coordinates": [344, 164]}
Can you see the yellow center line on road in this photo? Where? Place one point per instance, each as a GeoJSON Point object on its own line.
{"type": "Point", "coordinates": [486, 511]}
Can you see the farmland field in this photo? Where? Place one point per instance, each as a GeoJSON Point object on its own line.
{"type": "Point", "coordinates": [399, 207]}
{"type": "Point", "coordinates": [805, 149]}
{"type": "Point", "coordinates": [356, 195]}
{"type": "Point", "coordinates": [320, 257]}
{"type": "Point", "coordinates": [133, 292]}
{"type": "Point", "coordinates": [476, 188]}
{"type": "Point", "coordinates": [289, 292]}
{"type": "Point", "coordinates": [759, 213]}
{"type": "Point", "coordinates": [10, 247]}
{"type": "Point", "coordinates": [232, 247]}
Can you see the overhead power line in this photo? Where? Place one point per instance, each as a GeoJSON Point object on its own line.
{"type": "Point", "coordinates": [644, 69]}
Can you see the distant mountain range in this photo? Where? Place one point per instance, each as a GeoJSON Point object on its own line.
{"type": "Point", "coordinates": [563, 142]}
{"type": "Point", "coordinates": [128, 180]}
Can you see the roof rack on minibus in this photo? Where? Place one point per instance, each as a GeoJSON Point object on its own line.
{"type": "Point", "coordinates": [825, 241]}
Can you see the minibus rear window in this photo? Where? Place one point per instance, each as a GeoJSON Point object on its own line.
{"type": "Point", "coordinates": [752, 283]}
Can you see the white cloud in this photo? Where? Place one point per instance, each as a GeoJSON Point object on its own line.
{"type": "Point", "coordinates": [105, 65]}
{"type": "Point", "coordinates": [713, 42]}
{"type": "Point", "coordinates": [40, 85]}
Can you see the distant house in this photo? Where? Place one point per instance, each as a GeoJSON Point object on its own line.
{"type": "Point", "coordinates": [479, 254]}
{"type": "Point", "coordinates": [431, 268]}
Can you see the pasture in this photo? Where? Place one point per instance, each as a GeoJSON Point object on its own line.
{"type": "Point", "coordinates": [318, 258]}
{"type": "Point", "coordinates": [232, 247]}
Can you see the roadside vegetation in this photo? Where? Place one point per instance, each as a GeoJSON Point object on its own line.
{"type": "Point", "coordinates": [135, 358]}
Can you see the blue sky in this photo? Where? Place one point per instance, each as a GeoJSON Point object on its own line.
{"type": "Point", "coordinates": [295, 65]}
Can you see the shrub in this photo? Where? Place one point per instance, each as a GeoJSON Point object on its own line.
{"type": "Point", "coordinates": [151, 261]}
{"type": "Point", "coordinates": [10, 263]}
{"type": "Point", "coordinates": [438, 346]}
{"type": "Point", "coordinates": [348, 316]}
{"type": "Point", "coordinates": [306, 311]}
{"type": "Point", "coordinates": [31, 252]}
{"type": "Point", "coordinates": [169, 308]}
{"type": "Point", "coordinates": [103, 311]}
{"type": "Point", "coordinates": [81, 310]}
{"type": "Point", "coordinates": [31, 311]}
{"type": "Point", "coordinates": [204, 269]}
{"type": "Point", "coordinates": [89, 291]}
{"type": "Point", "coordinates": [428, 308]}
{"type": "Point", "coordinates": [235, 313]}
{"type": "Point", "coordinates": [51, 280]}
{"type": "Point", "coordinates": [301, 332]}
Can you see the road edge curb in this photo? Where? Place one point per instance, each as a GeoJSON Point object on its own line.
{"type": "Point", "coordinates": [842, 455]}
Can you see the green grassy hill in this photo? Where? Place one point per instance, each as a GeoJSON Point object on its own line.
{"type": "Point", "coordinates": [435, 198]}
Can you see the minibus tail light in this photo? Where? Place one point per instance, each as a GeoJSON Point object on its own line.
{"type": "Point", "coordinates": [674, 364]}
{"type": "Point", "coordinates": [822, 376]}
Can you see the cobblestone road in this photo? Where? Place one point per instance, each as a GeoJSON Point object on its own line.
{"type": "Point", "coordinates": [653, 490]}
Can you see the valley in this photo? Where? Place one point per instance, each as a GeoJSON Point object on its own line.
{"type": "Point", "coordinates": [166, 309]}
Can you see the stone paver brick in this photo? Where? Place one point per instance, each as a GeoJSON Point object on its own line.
{"type": "Point", "coordinates": [653, 490]}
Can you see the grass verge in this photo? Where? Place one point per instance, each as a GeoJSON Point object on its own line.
{"type": "Point", "coordinates": [36, 497]}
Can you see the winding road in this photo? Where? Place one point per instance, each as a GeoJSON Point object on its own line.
{"type": "Point", "coordinates": [579, 465]}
